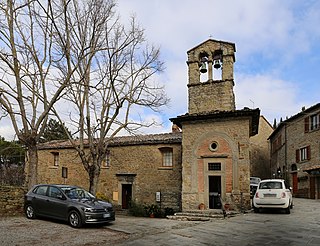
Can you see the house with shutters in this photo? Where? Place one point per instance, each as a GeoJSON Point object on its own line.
{"type": "Point", "coordinates": [207, 156]}
{"type": "Point", "coordinates": [295, 152]}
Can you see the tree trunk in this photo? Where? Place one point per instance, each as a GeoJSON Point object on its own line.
{"type": "Point", "coordinates": [32, 172]}
{"type": "Point", "coordinates": [94, 175]}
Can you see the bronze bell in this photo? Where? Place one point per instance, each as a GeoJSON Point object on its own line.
{"type": "Point", "coordinates": [217, 64]}
{"type": "Point", "coordinates": [203, 68]}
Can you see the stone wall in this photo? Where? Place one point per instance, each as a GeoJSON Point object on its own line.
{"type": "Point", "coordinates": [232, 140]}
{"type": "Point", "coordinates": [139, 165]}
{"type": "Point", "coordinates": [11, 200]}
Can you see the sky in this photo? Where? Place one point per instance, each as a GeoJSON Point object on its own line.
{"type": "Point", "coordinates": [277, 66]}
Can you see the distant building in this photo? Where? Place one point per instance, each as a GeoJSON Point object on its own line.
{"type": "Point", "coordinates": [295, 152]}
{"type": "Point", "coordinates": [207, 155]}
{"type": "Point", "coordinates": [260, 151]}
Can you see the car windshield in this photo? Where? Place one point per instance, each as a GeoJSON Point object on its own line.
{"type": "Point", "coordinates": [270, 185]}
{"type": "Point", "coordinates": [77, 193]}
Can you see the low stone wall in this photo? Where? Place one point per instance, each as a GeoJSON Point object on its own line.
{"type": "Point", "coordinates": [11, 200]}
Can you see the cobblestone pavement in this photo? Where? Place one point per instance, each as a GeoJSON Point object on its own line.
{"type": "Point", "coordinates": [301, 227]}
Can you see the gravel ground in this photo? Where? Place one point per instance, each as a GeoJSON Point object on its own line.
{"type": "Point", "coordinates": [22, 231]}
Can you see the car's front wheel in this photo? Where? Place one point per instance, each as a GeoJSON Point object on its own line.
{"type": "Point", "coordinates": [256, 210]}
{"type": "Point", "coordinates": [29, 210]}
{"type": "Point", "coordinates": [74, 219]}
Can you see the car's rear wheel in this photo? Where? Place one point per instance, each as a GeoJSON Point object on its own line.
{"type": "Point", "coordinates": [29, 210]}
{"type": "Point", "coordinates": [74, 219]}
{"type": "Point", "coordinates": [256, 210]}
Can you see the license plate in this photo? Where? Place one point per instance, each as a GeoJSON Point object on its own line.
{"type": "Point", "coordinates": [270, 195]}
{"type": "Point", "coordinates": [106, 215]}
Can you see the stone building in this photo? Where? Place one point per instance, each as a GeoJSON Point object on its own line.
{"type": "Point", "coordinates": [295, 152]}
{"type": "Point", "coordinates": [215, 142]}
{"type": "Point", "coordinates": [205, 157]}
{"type": "Point", "coordinates": [260, 151]}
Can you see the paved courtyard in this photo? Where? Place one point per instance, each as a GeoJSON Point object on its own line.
{"type": "Point", "coordinates": [301, 227]}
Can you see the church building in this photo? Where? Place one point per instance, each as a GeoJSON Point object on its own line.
{"type": "Point", "coordinates": [205, 159]}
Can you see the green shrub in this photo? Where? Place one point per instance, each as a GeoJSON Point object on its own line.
{"type": "Point", "coordinates": [137, 210]}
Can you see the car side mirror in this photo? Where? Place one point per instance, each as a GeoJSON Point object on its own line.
{"type": "Point", "coordinates": [61, 197]}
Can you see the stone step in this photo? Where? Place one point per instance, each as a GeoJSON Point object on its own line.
{"type": "Point", "coordinates": [202, 215]}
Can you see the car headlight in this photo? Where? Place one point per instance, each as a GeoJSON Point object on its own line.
{"type": "Point", "coordinates": [88, 210]}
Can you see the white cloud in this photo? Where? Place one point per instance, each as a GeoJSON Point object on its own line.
{"type": "Point", "coordinates": [276, 98]}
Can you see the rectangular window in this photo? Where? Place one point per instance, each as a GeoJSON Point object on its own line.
{"type": "Point", "coordinates": [314, 122]}
{"type": "Point", "coordinates": [64, 172]}
{"type": "Point", "coordinates": [55, 158]}
{"type": "Point", "coordinates": [167, 158]}
{"type": "Point", "coordinates": [303, 154]}
{"type": "Point", "coordinates": [214, 166]}
{"type": "Point", "coordinates": [106, 161]}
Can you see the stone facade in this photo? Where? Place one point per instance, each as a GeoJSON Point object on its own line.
{"type": "Point", "coordinates": [260, 151]}
{"type": "Point", "coordinates": [135, 166]}
{"type": "Point", "coordinates": [295, 152]}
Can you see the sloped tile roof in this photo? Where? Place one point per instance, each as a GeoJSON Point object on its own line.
{"type": "Point", "coordinates": [164, 138]}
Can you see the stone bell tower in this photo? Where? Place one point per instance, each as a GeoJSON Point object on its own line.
{"type": "Point", "coordinates": [208, 93]}
{"type": "Point", "coordinates": [215, 141]}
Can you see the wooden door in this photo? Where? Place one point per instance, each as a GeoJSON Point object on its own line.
{"type": "Point", "coordinates": [294, 183]}
{"type": "Point", "coordinates": [312, 188]}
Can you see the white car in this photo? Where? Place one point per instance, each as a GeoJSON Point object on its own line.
{"type": "Point", "coordinates": [273, 193]}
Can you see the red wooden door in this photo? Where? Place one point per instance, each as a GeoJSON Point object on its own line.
{"type": "Point", "coordinates": [294, 183]}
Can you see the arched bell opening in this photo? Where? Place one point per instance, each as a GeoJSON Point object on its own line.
{"type": "Point", "coordinates": [203, 67]}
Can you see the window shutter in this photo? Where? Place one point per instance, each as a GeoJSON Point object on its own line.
{"type": "Point", "coordinates": [297, 155]}
{"type": "Point", "coordinates": [308, 152]}
{"type": "Point", "coordinates": [306, 124]}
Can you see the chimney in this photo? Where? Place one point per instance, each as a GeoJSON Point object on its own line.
{"type": "Point", "coordinates": [175, 128]}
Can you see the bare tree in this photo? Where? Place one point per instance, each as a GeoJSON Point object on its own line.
{"type": "Point", "coordinates": [34, 48]}
{"type": "Point", "coordinates": [114, 78]}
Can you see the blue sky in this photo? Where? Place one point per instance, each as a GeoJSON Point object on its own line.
{"type": "Point", "coordinates": [277, 65]}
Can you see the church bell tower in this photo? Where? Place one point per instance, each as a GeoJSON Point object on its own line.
{"type": "Point", "coordinates": [210, 70]}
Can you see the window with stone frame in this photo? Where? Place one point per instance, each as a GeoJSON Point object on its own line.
{"type": "Point", "coordinates": [303, 154]}
{"type": "Point", "coordinates": [55, 158]}
{"type": "Point", "coordinates": [167, 156]}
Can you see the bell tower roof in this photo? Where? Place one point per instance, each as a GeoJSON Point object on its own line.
{"type": "Point", "coordinates": [210, 40]}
